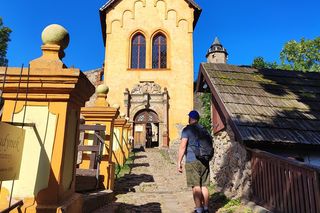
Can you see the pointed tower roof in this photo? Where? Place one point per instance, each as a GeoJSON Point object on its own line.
{"type": "Point", "coordinates": [216, 47]}
{"type": "Point", "coordinates": [216, 41]}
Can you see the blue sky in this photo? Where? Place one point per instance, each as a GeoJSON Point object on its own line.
{"type": "Point", "coordinates": [246, 28]}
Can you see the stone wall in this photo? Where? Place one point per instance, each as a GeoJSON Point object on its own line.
{"type": "Point", "coordinates": [230, 167]}
{"type": "Point", "coordinates": [96, 78]}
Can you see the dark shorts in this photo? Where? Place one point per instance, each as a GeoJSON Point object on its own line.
{"type": "Point", "coordinates": [197, 174]}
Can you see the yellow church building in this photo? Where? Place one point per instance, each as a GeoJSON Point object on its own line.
{"type": "Point", "coordinates": [149, 64]}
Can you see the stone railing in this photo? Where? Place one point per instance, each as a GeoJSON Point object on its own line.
{"type": "Point", "coordinates": [117, 134]}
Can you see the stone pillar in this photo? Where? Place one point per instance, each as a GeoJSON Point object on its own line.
{"type": "Point", "coordinates": [130, 136]}
{"type": "Point", "coordinates": [102, 114]}
{"type": "Point", "coordinates": [50, 97]}
{"type": "Point", "coordinates": [165, 132]}
{"type": "Point", "coordinates": [118, 148]}
{"type": "Point", "coordinates": [126, 139]}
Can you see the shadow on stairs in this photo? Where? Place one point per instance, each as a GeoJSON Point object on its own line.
{"type": "Point", "coordinates": [95, 200]}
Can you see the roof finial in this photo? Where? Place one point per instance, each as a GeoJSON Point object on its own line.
{"type": "Point", "coordinates": [216, 41]}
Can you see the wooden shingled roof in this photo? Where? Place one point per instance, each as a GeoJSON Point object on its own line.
{"type": "Point", "coordinates": [273, 106]}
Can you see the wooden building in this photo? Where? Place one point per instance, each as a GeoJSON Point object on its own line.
{"type": "Point", "coordinates": [267, 132]}
{"type": "Point", "coordinates": [274, 110]}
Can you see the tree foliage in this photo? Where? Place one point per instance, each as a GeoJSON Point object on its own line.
{"type": "Point", "coordinates": [4, 39]}
{"type": "Point", "coordinates": [260, 63]}
{"type": "Point", "coordinates": [302, 56]}
{"type": "Point", "coordinates": [205, 119]}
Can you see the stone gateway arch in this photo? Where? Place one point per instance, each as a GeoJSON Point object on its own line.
{"type": "Point", "coordinates": [147, 108]}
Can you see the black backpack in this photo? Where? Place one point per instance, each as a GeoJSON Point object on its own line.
{"type": "Point", "coordinates": [203, 148]}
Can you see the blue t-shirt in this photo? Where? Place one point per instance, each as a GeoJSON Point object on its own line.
{"type": "Point", "coordinates": [188, 132]}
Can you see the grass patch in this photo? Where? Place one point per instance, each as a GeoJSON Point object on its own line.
{"type": "Point", "coordinates": [121, 171]}
{"type": "Point", "coordinates": [220, 203]}
{"type": "Point", "coordinates": [165, 155]}
{"type": "Point", "coordinates": [211, 189]}
{"type": "Point", "coordinates": [234, 206]}
{"type": "Point", "coordinates": [233, 203]}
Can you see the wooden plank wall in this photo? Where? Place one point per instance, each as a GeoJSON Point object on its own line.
{"type": "Point", "coordinates": [283, 185]}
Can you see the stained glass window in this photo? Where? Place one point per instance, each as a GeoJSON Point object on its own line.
{"type": "Point", "coordinates": [138, 52]}
{"type": "Point", "coordinates": [159, 52]}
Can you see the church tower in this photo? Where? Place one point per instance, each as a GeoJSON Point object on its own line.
{"type": "Point", "coordinates": [217, 53]}
{"type": "Point", "coordinates": [149, 64]}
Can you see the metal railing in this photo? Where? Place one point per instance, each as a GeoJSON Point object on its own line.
{"type": "Point", "coordinates": [3, 76]}
{"type": "Point", "coordinates": [16, 205]}
{"type": "Point", "coordinates": [284, 185]}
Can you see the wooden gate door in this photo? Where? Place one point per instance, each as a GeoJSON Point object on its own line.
{"type": "Point", "coordinates": [139, 135]}
{"type": "Point", "coordinates": [143, 134]}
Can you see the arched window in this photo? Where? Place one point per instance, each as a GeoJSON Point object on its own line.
{"type": "Point", "coordinates": [159, 51]}
{"type": "Point", "coordinates": [138, 52]}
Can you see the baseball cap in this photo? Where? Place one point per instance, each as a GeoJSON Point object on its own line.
{"type": "Point", "coordinates": [194, 115]}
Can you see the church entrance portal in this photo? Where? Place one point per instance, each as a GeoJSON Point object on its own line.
{"type": "Point", "coordinates": [147, 107]}
{"type": "Point", "coordinates": [146, 129]}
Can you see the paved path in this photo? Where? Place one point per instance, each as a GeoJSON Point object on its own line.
{"type": "Point", "coordinates": [152, 186]}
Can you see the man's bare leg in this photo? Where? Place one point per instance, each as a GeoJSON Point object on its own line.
{"type": "Point", "coordinates": [197, 196]}
{"type": "Point", "coordinates": [205, 196]}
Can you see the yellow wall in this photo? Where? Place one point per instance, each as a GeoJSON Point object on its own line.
{"type": "Point", "coordinates": [37, 151]}
{"type": "Point", "coordinates": [175, 19]}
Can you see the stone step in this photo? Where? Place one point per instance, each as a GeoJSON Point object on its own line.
{"type": "Point", "coordinates": [96, 200]}
{"type": "Point", "coordinates": [88, 183]}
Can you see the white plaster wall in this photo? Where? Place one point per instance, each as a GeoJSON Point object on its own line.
{"type": "Point", "coordinates": [37, 151]}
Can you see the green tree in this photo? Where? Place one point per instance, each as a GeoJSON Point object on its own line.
{"type": "Point", "coordinates": [4, 39]}
{"type": "Point", "coordinates": [302, 56]}
{"type": "Point", "coordinates": [205, 119]}
{"type": "Point", "coordinates": [260, 63]}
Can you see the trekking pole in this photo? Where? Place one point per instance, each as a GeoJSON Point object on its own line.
{"type": "Point", "coordinates": [14, 109]}
{"type": "Point", "coordinates": [18, 90]}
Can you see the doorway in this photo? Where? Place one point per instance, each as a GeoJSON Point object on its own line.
{"type": "Point", "coordinates": [146, 129]}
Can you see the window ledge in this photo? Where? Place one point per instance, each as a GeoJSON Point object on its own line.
{"type": "Point", "coordinates": [149, 70]}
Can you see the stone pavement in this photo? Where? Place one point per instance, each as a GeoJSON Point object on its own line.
{"type": "Point", "coordinates": [153, 185]}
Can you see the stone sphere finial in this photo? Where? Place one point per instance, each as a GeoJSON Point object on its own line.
{"type": "Point", "coordinates": [102, 89]}
{"type": "Point", "coordinates": [55, 34]}
{"type": "Point", "coordinates": [117, 106]}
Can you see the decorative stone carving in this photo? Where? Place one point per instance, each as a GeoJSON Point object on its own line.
{"type": "Point", "coordinates": [146, 87]}
{"type": "Point", "coordinates": [148, 95]}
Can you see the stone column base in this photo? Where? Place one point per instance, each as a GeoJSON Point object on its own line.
{"type": "Point", "coordinates": [73, 204]}
{"type": "Point", "coordinates": [111, 170]}
{"type": "Point", "coordinates": [107, 169]}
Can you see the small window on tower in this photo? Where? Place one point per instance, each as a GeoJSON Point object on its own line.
{"type": "Point", "coordinates": [138, 52]}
